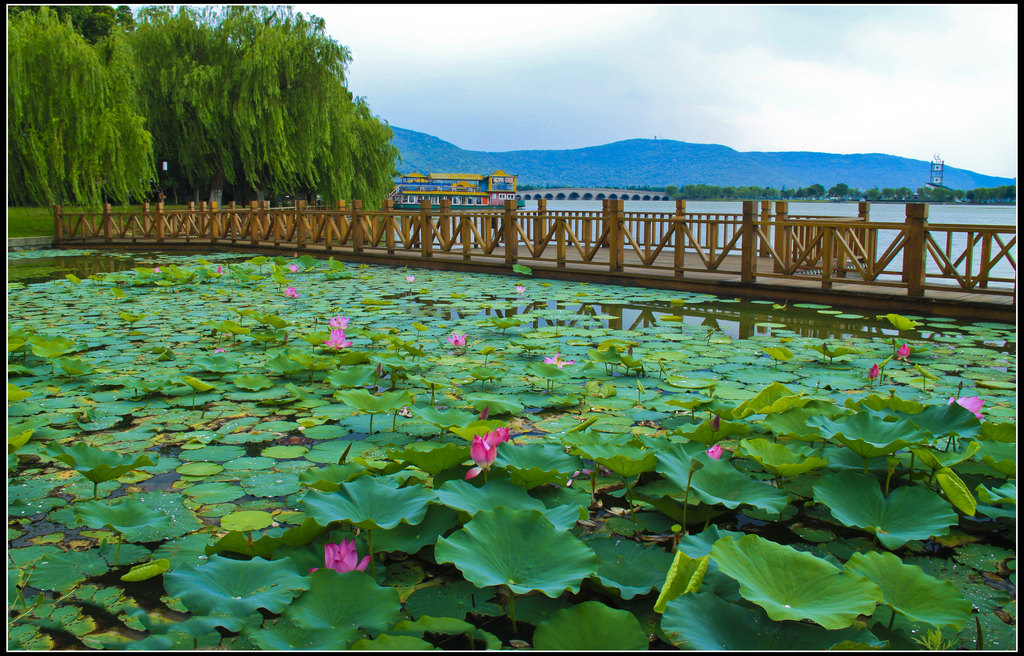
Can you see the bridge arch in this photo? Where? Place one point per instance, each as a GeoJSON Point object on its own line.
{"type": "Point", "coordinates": [560, 196]}
{"type": "Point", "coordinates": [600, 196]}
{"type": "Point", "coordinates": [647, 197]}
{"type": "Point", "coordinates": [574, 196]}
{"type": "Point", "coordinates": [587, 196]}
{"type": "Point", "coordinates": [636, 196]}
{"type": "Point", "coordinates": [549, 197]}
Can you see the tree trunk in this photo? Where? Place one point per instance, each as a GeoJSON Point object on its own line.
{"type": "Point", "coordinates": [217, 188]}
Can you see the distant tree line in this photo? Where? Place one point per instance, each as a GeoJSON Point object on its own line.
{"type": "Point", "coordinates": [842, 191]}
{"type": "Point", "coordinates": [240, 102]}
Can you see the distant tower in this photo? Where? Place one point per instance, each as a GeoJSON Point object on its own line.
{"type": "Point", "coordinates": [937, 164]}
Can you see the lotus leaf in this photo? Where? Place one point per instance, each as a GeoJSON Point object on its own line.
{"type": "Point", "coordinates": [369, 502]}
{"type": "Point", "coordinates": [908, 513]}
{"type": "Point", "coordinates": [351, 599]}
{"type": "Point", "coordinates": [146, 571]}
{"type": "Point", "coordinates": [126, 515]}
{"type": "Point", "coordinates": [95, 464]}
{"type": "Point", "coordinates": [1000, 456]}
{"type": "Point", "coordinates": [718, 482]}
{"type": "Point", "coordinates": [1006, 493]}
{"type": "Point", "coordinates": [518, 548]}
{"type": "Point", "coordinates": [684, 577]}
{"type": "Point", "coordinates": [590, 626]}
{"type": "Point", "coordinates": [432, 458]}
{"type": "Point", "coordinates": [956, 491]}
{"type": "Point", "coordinates": [793, 585]}
{"type": "Point", "coordinates": [778, 458]}
{"type": "Point", "coordinates": [705, 435]}
{"type": "Point", "coordinates": [233, 589]}
{"type": "Point", "coordinates": [912, 593]}
{"type": "Point", "coordinates": [531, 465]}
{"type": "Point", "coordinates": [868, 434]}
{"type": "Point", "coordinates": [706, 622]}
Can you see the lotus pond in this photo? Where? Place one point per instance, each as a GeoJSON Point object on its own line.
{"type": "Point", "coordinates": [291, 453]}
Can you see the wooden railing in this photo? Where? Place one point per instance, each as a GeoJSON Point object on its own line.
{"type": "Point", "coordinates": [766, 243]}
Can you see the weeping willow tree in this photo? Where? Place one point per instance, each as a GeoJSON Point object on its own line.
{"type": "Point", "coordinates": [255, 97]}
{"type": "Point", "coordinates": [74, 131]}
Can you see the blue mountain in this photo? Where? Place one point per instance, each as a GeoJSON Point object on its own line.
{"type": "Point", "coordinates": [662, 162]}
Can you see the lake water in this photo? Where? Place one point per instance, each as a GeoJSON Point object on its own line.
{"type": "Point", "coordinates": [999, 215]}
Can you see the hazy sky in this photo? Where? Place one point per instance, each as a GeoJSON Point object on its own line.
{"type": "Point", "coordinates": [914, 81]}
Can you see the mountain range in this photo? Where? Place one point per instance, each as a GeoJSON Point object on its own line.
{"type": "Point", "coordinates": [662, 162]}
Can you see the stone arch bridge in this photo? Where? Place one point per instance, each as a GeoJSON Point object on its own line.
{"type": "Point", "coordinates": [582, 193]}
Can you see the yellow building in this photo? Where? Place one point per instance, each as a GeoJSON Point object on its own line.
{"type": "Point", "coordinates": [462, 190]}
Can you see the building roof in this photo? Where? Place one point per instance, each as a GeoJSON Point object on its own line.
{"type": "Point", "coordinates": [456, 176]}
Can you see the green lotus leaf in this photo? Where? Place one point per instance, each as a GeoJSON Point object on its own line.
{"type": "Point", "coordinates": [228, 326]}
{"type": "Point", "coordinates": [496, 404]}
{"type": "Point", "coordinates": [146, 571]}
{"type": "Point", "coordinates": [467, 497]}
{"type": "Point", "coordinates": [97, 465]}
{"type": "Point", "coordinates": [702, 432]}
{"type": "Point", "coordinates": [283, 452]}
{"type": "Point", "coordinates": [252, 382]}
{"type": "Point", "coordinates": [912, 593]}
{"type": "Point", "coordinates": [908, 513]}
{"type": "Point", "coordinates": [355, 376]}
{"type": "Point", "coordinates": [935, 459]}
{"type": "Point", "coordinates": [831, 353]}
{"type": "Point", "coordinates": [794, 585]}
{"type": "Point", "coordinates": [626, 461]}
{"type": "Point", "coordinates": [246, 520]}
{"type": "Point", "coordinates": [531, 465]}
{"type": "Point", "coordinates": [547, 370]}
{"type": "Point", "coordinates": [445, 419]}
{"type": "Point", "coordinates": [127, 516]}
{"type": "Point", "coordinates": [590, 626]}
{"type": "Point", "coordinates": [431, 457]}
{"type": "Point", "coordinates": [285, 636]}
{"type": "Point", "coordinates": [283, 365]}
{"type": "Point", "coordinates": [869, 435]}
{"type": "Point", "coordinates": [779, 459]}
{"type": "Point", "coordinates": [685, 576]}
{"type": "Point", "coordinates": [216, 363]}
{"type": "Point", "coordinates": [686, 382]}
{"type": "Point", "coordinates": [761, 402]}
{"type": "Point", "coordinates": [17, 440]}
{"type": "Point", "coordinates": [899, 322]}
{"type": "Point", "coordinates": [780, 353]}
{"type": "Point", "coordinates": [392, 643]}
{"type": "Point", "coordinates": [370, 502]}
{"type": "Point", "coordinates": [73, 366]}
{"type": "Point", "coordinates": [520, 549]}
{"type": "Point", "coordinates": [236, 588]}
{"type": "Point", "coordinates": [51, 348]}
{"type": "Point", "coordinates": [717, 482]}
{"type": "Point", "coordinates": [197, 385]}
{"type": "Point", "coordinates": [351, 599]}
{"type": "Point", "coordinates": [364, 401]}
{"type": "Point", "coordinates": [1006, 493]}
{"type": "Point", "coordinates": [628, 567]}
{"type": "Point", "coordinates": [15, 394]}
{"type": "Point", "coordinates": [55, 569]}
{"type": "Point", "coordinates": [956, 491]}
{"type": "Point", "coordinates": [1000, 456]}
{"type": "Point", "coordinates": [706, 622]}
{"type": "Point", "coordinates": [1005, 432]}
{"type": "Point", "coordinates": [941, 420]}
{"type": "Point", "coordinates": [409, 538]}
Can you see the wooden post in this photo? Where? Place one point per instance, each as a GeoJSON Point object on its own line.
{"type": "Point", "coordinates": [510, 233]}
{"type": "Point", "coordinates": [914, 248]}
{"type": "Point", "coordinates": [356, 226]}
{"type": "Point", "coordinates": [443, 221]}
{"type": "Point", "coordinates": [766, 216]}
{"type": "Point", "coordinates": [159, 218]}
{"type": "Point", "coordinates": [300, 225]}
{"type": "Point", "coordinates": [108, 223]}
{"type": "Point", "coordinates": [538, 224]}
{"type": "Point", "coordinates": [986, 257]}
{"type": "Point", "coordinates": [781, 236]}
{"type": "Point", "coordinates": [58, 225]}
{"type": "Point", "coordinates": [276, 221]}
{"type": "Point", "coordinates": [466, 236]}
{"type": "Point", "coordinates": [748, 250]}
{"type": "Point", "coordinates": [426, 234]}
{"type": "Point", "coordinates": [146, 221]}
{"type": "Point", "coordinates": [214, 222]}
{"type": "Point", "coordinates": [613, 215]}
{"type": "Point", "coordinates": [870, 237]}
{"type": "Point", "coordinates": [389, 225]}
{"type": "Point", "coordinates": [679, 248]}
{"type": "Point", "coordinates": [254, 222]}
{"type": "Point", "coordinates": [828, 256]}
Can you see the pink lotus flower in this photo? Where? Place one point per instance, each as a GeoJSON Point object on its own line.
{"type": "Point", "coordinates": [220, 270]}
{"type": "Point", "coordinates": [290, 291]}
{"type": "Point", "coordinates": [218, 351]}
{"type": "Point", "coordinates": [343, 557]}
{"type": "Point", "coordinates": [558, 361]}
{"type": "Point", "coordinates": [715, 452]}
{"type": "Point", "coordinates": [972, 403]}
{"type": "Point", "coordinates": [410, 278]}
{"type": "Point", "coordinates": [483, 454]}
{"type": "Point", "coordinates": [337, 340]}
{"type": "Point", "coordinates": [874, 373]}
{"type": "Point", "coordinates": [457, 340]}
{"type": "Point", "coordinates": [338, 322]}
{"type": "Point", "coordinates": [903, 353]}
{"type": "Point", "coordinates": [156, 269]}
{"type": "Point", "coordinates": [520, 289]}
{"type": "Point", "coordinates": [294, 268]}
{"type": "Point", "coordinates": [716, 423]}
{"type": "Point", "coordinates": [497, 436]}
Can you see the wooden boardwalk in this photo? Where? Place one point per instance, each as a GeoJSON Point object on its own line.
{"type": "Point", "coordinates": [767, 256]}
